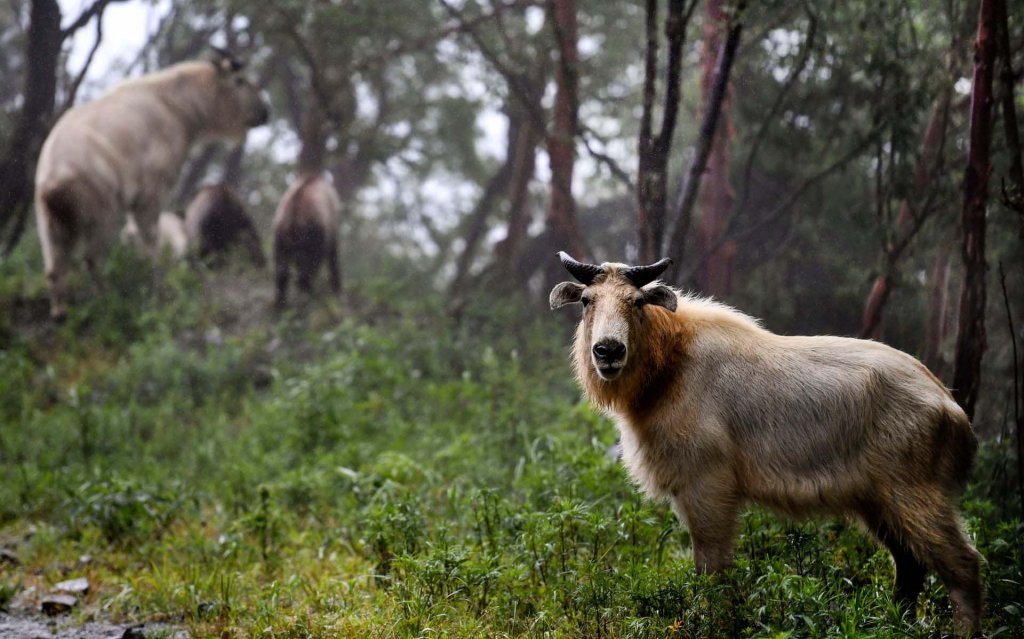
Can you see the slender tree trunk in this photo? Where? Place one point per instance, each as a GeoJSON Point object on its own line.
{"type": "Point", "coordinates": [927, 166]}
{"type": "Point", "coordinates": [233, 165]}
{"type": "Point", "coordinates": [938, 312]}
{"type": "Point", "coordinates": [562, 223]}
{"type": "Point", "coordinates": [495, 189]}
{"type": "Point", "coordinates": [716, 195]}
{"type": "Point", "coordinates": [17, 167]}
{"type": "Point", "coordinates": [312, 154]}
{"type": "Point", "coordinates": [683, 209]}
{"type": "Point", "coordinates": [970, 340]}
{"type": "Point", "coordinates": [194, 174]}
{"type": "Point", "coordinates": [654, 150]}
{"type": "Point", "coordinates": [1014, 195]}
{"type": "Point", "coordinates": [523, 170]}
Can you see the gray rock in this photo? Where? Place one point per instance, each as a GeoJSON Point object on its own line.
{"type": "Point", "coordinates": [79, 586]}
{"type": "Point", "coordinates": [57, 604]}
{"type": "Point", "coordinates": [7, 556]}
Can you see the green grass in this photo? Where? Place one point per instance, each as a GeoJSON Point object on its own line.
{"type": "Point", "coordinates": [374, 469]}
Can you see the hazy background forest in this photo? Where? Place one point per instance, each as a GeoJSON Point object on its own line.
{"type": "Point", "coordinates": [412, 458]}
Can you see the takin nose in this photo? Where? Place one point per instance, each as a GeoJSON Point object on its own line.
{"type": "Point", "coordinates": [609, 350]}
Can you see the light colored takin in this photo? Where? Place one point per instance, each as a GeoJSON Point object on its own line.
{"type": "Point", "coordinates": [121, 153]}
{"type": "Point", "coordinates": [716, 412]}
{"type": "Point", "coordinates": [216, 220]}
{"type": "Point", "coordinates": [306, 234]}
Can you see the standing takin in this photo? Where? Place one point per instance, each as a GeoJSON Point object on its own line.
{"type": "Point", "coordinates": [306, 234]}
{"type": "Point", "coordinates": [121, 153]}
{"type": "Point", "coordinates": [216, 220]}
{"type": "Point", "coordinates": [715, 412]}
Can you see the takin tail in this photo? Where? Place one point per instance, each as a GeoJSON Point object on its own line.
{"type": "Point", "coordinates": [956, 450]}
{"type": "Point", "coordinates": [61, 204]}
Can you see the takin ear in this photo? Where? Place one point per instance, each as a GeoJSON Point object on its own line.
{"type": "Point", "coordinates": [565, 293]}
{"type": "Point", "coordinates": [226, 61]}
{"type": "Point", "coordinates": [661, 296]}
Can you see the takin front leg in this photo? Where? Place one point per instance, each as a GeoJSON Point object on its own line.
{"type": "Point", "coordinates": [710, 510]}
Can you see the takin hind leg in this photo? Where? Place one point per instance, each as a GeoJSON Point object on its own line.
{"type": "Point", "coordinates": [281, 280]}
{"type": "Point", "coordinates": [58, 241]}
{"type": "Point", "coordinates": [333, 271]}
{"type": "Point", "coordinates": [932, 530]}
{"type": "Point", "coordinates": [910, 572]}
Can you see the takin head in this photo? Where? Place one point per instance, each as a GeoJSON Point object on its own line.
{"type": "Point", "coordinates": [240, 103]}
{"type": "Point", "coordinates": [613, 298]}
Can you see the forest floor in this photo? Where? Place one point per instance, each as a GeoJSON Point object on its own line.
{"type": "Point", "coordinates": [370, 467]}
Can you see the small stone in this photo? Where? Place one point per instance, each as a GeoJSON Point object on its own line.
{"type": "Point", "coordinates": [84, 560]}
{"type": "Point", "coordinates": [57, 604]}
{"type": "Point", "coordinates": [78, 586]}
{"type": "Point", "coordinates": [213, 337]}
{"type": "Point", "coordinates": [8, 557]}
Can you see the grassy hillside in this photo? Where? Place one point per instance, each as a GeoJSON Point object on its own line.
{"type": "Point", "coordinates": [375, 469]}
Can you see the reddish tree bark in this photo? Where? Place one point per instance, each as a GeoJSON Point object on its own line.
{"type": "Point", "coordinates": [562, 223]}
{"type": "Point", "coordinates": [970, 339]}
{"type": "Point", "coordinates": [18, 163]}
{"type": "Point", "coordinates": [908, 221]}
{"type": "Point", "coordinates": [716, 195]}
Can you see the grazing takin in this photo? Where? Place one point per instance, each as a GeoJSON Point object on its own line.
{"type": "Point", "coordinates": [306, 234]}
{"type": "Point", "coordinates": [171, 237]}
{"type": "Point", "coordinates": [216, 220]}
{"type": "Point", "coordinates": [715, 412]}
{"type": "Point", "coordinates": [121, 153]}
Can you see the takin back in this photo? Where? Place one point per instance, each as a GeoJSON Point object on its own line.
{"type": "Point", "coordinates": [716, 412]}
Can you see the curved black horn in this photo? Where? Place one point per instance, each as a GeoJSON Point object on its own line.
{"type": "Point", "coordinates": [584, 273]}
{"type": "Point", "coordinates": [643, 275]}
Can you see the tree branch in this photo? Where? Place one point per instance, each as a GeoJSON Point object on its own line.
{"type": "Point", "coordinates": [775, 214]}
{"type": "Point", "coordinates": [95, 9]}
{"type": "Point", "coordinates": [773, 112]}
{"type": "Point", "coordinates": [69, 99]}
{"type": "Point", "coordinates": [683, 209]}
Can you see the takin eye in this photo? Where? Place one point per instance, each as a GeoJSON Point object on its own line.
{"type": "Point", "coordinates": [639, 302]}
{"type": "Point", "coordinates": [585, 301]}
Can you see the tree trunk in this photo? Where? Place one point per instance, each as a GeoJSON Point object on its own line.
{"type": "Point", "coordinates": [526, 142]}
{"type": "Point", "coordinates": [233, 166]}
{"type": "Point", "coordinates": [189, 182]}
{"type": "Point", "coordinates": [907, 220]}
{"type": "Point", "coordinates": [312, 154]}
{"type": "Point", "coordinates": [1014, 196]}
{"type": "Point", "coordinates": [17, 167]}
{"type": "Point", "coordinates": [937, 312]}
{"type": "Point", "coordinates": [653, 151]}
{"type": "Point", "coordinates": [562, 223]}
{"type": "Point", "coordinates": [496, 188]}
{"type": "Point", "coordinates": [683, 209]}
{"type": "Point", "coordinates": [970, 339]}
{"type": "Point", "coordinates": [716, 195]}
